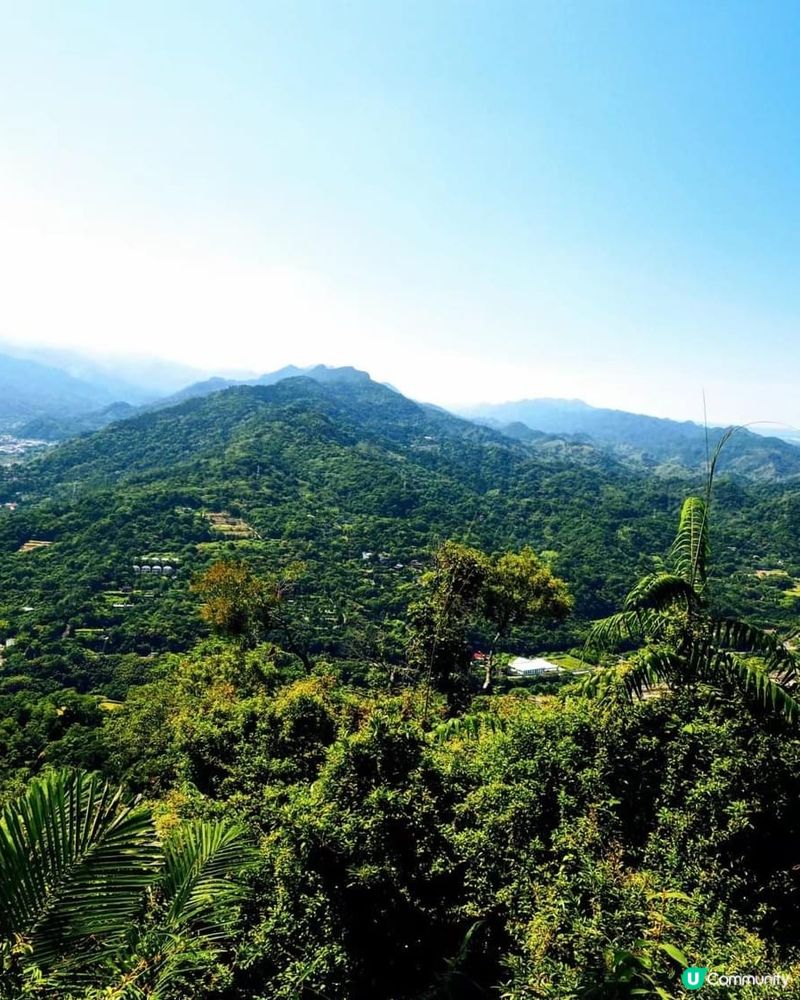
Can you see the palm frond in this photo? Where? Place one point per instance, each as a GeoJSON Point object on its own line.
{"type": "Point", "coordinates": [690, 549]}
{"type": "Point", "coordinates": [75, 858]}
{"type": "Point", "coordinates": [739, 637]}
{"type": "Point", "coordinates": [720, 666]}
{"type": "Point", "coordinates": [653, 667]}
{"type": "Point", "coordinates": [202, 877]}
{"type": "Point", "coordinates": [712, 468]}
{"type": "Point", "coordinates": [706, 662]}
{"type": "Point", "coordinates": [648, 669]}
{"type": "Point", "coordinates": [769, 692]}
{"type": "Point", "coordinates": [660, 591]}
{"type": "Point", "coordinates": [165, 964]}
{"type": "Point", "coordinates": [600, 684]}
{"type": "Point", "coordinates": [625, 626]}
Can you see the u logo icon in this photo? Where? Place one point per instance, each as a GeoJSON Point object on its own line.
{"type": "Point", "coordinates": [693, 977]}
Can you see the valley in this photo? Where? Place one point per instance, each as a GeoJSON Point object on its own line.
{"type": "Point", "coordinates": [316, 608]}
{"type": "Point", "coordinates": [399, 501]}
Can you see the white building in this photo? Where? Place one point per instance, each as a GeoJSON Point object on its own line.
{"type": "Point", "coordinates": [521, 666]}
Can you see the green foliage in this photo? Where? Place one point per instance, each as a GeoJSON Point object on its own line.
{"type": "Point", "coordinates": [322, 474]}
{"type": "Point", "coordinates": [520, 587]}
{"type": "Point", "coordinates": [452, 592]}
{"type": "Point", "coordinates": [465, 589]}
{"type": "Point", "coordinates": [75, 858]}
{"type": "Point", "coordinates": [532, 846]}
{"type": "Point", "coordinates": [682, 644]}
{"type": "Point", "coordinates": [332, 812]}
{"type": "Point", "coordinates": [78, 860]}
{"type": "Point", "coordinates": [690, 550]}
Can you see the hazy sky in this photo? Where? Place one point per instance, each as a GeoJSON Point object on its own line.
{"type": "Point", "coordinates": [474, 201]}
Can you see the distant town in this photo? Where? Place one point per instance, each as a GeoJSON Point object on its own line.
{"type": "Point", "coordinates": [13, 448]}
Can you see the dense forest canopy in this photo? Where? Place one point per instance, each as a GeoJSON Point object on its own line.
{"type": "Point", "coordinates": [257, 641]}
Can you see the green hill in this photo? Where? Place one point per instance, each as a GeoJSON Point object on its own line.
{"type": "Point", "coordinates": [387, 818]}
{"type": "Point", "coordinates": [358, 484]}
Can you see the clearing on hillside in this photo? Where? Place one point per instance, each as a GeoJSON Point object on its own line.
{"type": "Point", "coordinates": [33, 544]}
{"type": "Point", "coordinates": [229, 525]}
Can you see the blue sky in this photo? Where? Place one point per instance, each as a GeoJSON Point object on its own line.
{"type": "Point", "coordinates": [474, 201]}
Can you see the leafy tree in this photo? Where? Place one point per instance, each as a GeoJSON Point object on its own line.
{"type": "Point", "coordinates": [467, 589]}
{"type": "Point", "coordinates": [236, 603]}
{"type": "Point", "coordinates": [518, 587]}
{"type": "Point", "coordinates": [243, 606]}
{"type": "Point", "coordinates": [453, 589]}
{"type": "Point", "coordinates": [682, 643]}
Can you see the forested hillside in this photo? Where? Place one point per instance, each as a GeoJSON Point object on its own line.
{"type": "Point", "coordinates": [283, 613]}
{"type": "Point", "coordinates": [322, 475]}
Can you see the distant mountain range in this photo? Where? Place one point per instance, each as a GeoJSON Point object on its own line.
{"type": "Point", "coordinates": [133, 379]}
{"type": "Point", "coordinates": [57, 394]}
{"type": "Point", "coordinates": [53, 404]}
{"type": "Point", "coordinates": [662, 445]}
{"type": "Point", "coordinates": [782, 431]}
{"type": "Point", "coordinates": [30, 390]}
{"type": "Point", "coordinates": [50, 403]}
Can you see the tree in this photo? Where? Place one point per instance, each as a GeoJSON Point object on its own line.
{"type": "Point", "coordinates": [466, 587]}
{"type": "Point", "coordinates": [518, 587]}
{"type": "Point", "coordinates": [452, 592]}
{"type": "Point", "coordinates": [242, 606]}
{"type": "Point", "coordinates": [78, 861]}
{"type": "Point", "coordinates": [236, 603]}
{"type": "Point", "coordinates": [681, 643]}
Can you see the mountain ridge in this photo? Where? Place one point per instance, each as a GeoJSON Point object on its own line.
{"type": "Point", "coordinates": [30, 390]}
{"type": "Point", "coordinates": [657, 443]}
{"type": "Point", "coordinates": [357, 483]}
{"type": "Point", "coordinates": [52, 405]}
